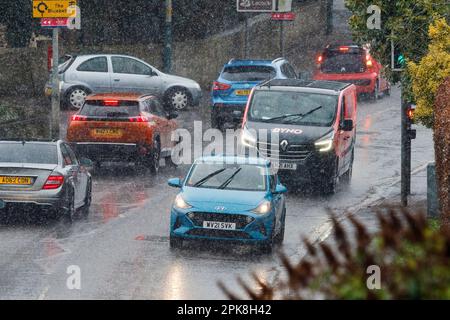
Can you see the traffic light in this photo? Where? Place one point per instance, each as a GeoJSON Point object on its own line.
{"type": "Point", "coordinates": [410, 109]}
{"type": "Point", "coordinates": [398, 58]}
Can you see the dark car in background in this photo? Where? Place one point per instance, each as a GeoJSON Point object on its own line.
{"type": "Point", "coordinates": [45, 177]}
{"type": "Point", "coordinates": [236, 80]}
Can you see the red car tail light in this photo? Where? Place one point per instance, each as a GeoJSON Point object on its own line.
{"type": "Point", "coordinates": [140, 118]}
{"type": "Point", "coordinates": [77, 117]}
{"type": "Point", "coordinates": [53, 182]}
{"type": "Point", "coordinates": [344, 48]}
{"type": "Point", "coordinates": [111, 103]}
{"type": "Point", "coordinates": [220, 86]}
{"type": "Point", "coordinates": [320, 59]}
{"type": "Point", "coordinates": [369, 61]}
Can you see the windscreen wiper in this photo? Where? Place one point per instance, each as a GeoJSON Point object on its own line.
{"type": "Point", "coordinates": [209, 176]}
{"type": "Point", "coordinates": [286, 116]}
{"type": "Point", "coordinates": [228, 181]}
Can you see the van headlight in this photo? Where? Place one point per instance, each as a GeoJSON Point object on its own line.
{"type": "Point", "coordinates": [263, 208]}
{"type": "Point", "coordinates": [248, 139]}
{"type": "Point", "coordinates": [325, 144]}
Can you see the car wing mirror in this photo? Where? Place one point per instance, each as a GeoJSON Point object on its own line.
{"type": "Point", "coordinates": [347, 125]}
{"type": "Point", "coordinates": [280, 189]}
{"type": "Point", "coordinates": [174, 182]}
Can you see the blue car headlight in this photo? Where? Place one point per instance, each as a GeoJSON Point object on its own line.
{"type": "Point", "coordinates": [263, 208]}
{"type": "Point", "coordinates": [180, 203]}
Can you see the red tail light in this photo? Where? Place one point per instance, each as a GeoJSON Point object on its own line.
{"type": "Point", "coordinates": [77, 117]}
{"type": "Point", "coordinates": [140, 118]}
{"type": "Point", "coordinates": [53, 182]}
{"type": "Point", "coordinates": [369, 62]}
{"type": "Point", "coordinates": [320, 59]}
{"type": "Point", "coordinates": [220, 86]}
{"type": "Point", "coordinates": [343, 48]}
{"type": "Point", "coordinates": [111, 103]}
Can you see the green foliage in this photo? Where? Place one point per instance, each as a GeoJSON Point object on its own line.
{"type": "Point", "coordinates": [431, 71]}
{"type": "Point", "coordinates": [413, 257]}
{"type": "Point", "coordinates": [404, 21]}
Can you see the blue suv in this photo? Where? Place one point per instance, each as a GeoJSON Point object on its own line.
{"type": "Point", "coordinates": [236, 80]}
{"type": "Point", "coordinates": [229, 198]}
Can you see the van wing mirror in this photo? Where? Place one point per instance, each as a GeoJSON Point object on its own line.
{"type": "Point", "coordinates": [347, 125]}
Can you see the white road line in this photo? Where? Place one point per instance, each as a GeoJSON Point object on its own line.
{"type": "Point", "coordinates": [43, 294]}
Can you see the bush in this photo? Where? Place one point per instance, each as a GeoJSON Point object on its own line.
{"type": "Point", "coordinates": [413, 257]}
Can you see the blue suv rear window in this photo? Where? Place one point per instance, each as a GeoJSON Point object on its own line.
{"type": "Point", "coordinates": [248, 73]}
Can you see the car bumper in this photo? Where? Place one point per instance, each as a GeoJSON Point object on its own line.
{"type": "Point", "coordinates": [256, 230]}
{"type": "Point", "coordinates": [32, 200]}
{"type": "Point", "coordinates": [316, 168]}
{"type": "Point", "coordinates": [101, 151]}
{"type": "Point", "coordinates": [232, 112]}
{"type": "Point", "coordinates": [196, 95]}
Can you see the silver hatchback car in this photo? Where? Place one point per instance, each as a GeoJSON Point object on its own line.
{"type": "Point", "coordinates": [103, 73]}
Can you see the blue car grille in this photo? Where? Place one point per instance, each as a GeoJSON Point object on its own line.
{"type": "Point", "coordinates": [240, 220]}
{"type": "Point", "coordinates": [229, 234]}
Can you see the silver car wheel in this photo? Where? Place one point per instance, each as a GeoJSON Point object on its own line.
{"type": "Point", "coordinates": [179, 100]}
{"type": "Point", "coordinates": [77, 98]}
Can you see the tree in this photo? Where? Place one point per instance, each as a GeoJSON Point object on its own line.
{"type": "Point", "coordinates": [403, 21]}
{"type": "Point", "coordinates": [431, 72]}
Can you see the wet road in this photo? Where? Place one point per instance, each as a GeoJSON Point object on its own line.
{"type": "Point", "coordinates": [122, 248]}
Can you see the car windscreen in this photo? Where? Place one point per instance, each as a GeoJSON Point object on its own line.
{"type": "Point", "coordinates": [245, 177]}
{"type": "Point", "coordinates": [98, 109]}
{"type": "Point", "coordinates": [297, 108]}
{"type": "Point", "coordinates": [28, 153]}
{"type": "Point", "coordinates": [338, 62]}
{"type": "Point", "coordinates": [248, 73]}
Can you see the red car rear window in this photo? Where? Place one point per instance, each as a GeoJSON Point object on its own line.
{"type": "Point", "coordinates": [343, 62]}
{"type": "Point", "coordinates": [125, 109]}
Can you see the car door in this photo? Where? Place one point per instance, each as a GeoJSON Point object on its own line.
{"type": "Point", "coordinates": [72, 172]}
{"type": "Point", "coordinates": [349, 111]}
{"type": "Point", "coordinates": [95, 73]}
{"type": "Point", "coordinates": [131, 75]}
{"type": "Point", "coordinates": [164, 125]}
{"type": "Point", "coordinates": [82, 176]}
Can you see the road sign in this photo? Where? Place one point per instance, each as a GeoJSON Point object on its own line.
{"type": "Point", "coordinates": [283, 16]}
{"type": "Point", "coordinates": [54, 22]}
{"type": "Point", "coordinates": [53, 8]}
{"type": "Point", "coordinates": [264, 5]}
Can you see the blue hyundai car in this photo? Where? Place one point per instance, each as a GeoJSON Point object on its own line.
{"type": "Point", "coordinates": [236, 80]}
{"type": "Point", "coordinates": [229, 198]}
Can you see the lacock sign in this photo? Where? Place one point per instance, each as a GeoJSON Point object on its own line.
{"type": "Point", "coordinates": [264, 5]}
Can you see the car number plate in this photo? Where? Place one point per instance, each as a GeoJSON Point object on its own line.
{"type": "Point", "coordinates": [219, 225]}
{"type": "Point", "coordinates": [284, 166]}
{"type": "Point", "coordinates": [243, 92]}
{"type": "Point", "coordinates": [7, 180]}
{"type": "Point", "coordinates": [107, 133]}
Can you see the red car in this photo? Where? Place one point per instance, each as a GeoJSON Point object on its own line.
{"type": "Point", "coordinates": [352, 64]}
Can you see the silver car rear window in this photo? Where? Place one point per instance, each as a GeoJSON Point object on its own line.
{"type": "Point", "coordinates": [28, 153]}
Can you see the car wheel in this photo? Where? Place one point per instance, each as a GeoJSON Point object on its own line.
{"type": "Point", "coordinates": [175, 243]}
{"type": "Point", "coordinates": [88, 200]}
{"type": "Point", "coordinates": [178, 99]}
{"type": "Point", "coordinates": [347, 177]}
{"type": "Point", "coordinates": [280, 236]}
{"type": "Point", "coordinates": [375, 95]}
{"type": "Point", "coordinates": [214, 121]}
{"type": "Point", "coordinates": [75, 97]}
{"type": "Point", "coordinates": [330, 187]}
{"type": "Point", "coordinates": [68, 214]}
{"type": "Point", "coordinates": [155, 157]}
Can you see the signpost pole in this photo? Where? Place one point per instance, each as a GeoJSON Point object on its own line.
{"type": "Point", "coordinates": [168, 38]}
{"type": "Point", "coordinates": [54, 123]}
{"type": "Point", "coordinates": [247, 38]}
{"type": "Point", "coordinates": [282, 38]}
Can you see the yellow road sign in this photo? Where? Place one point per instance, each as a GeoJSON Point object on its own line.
{"type": "Point", "coordinates": [53, 8]}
